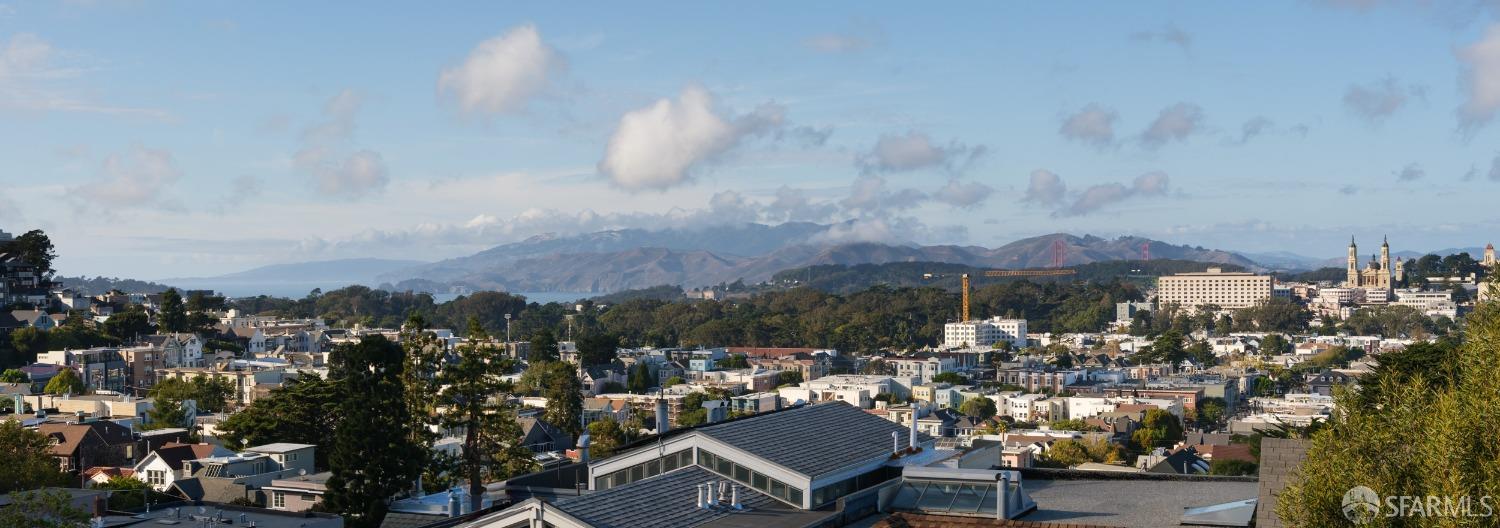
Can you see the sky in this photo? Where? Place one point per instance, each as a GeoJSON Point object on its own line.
{"type": "Point", "coordinates": [170, 139]}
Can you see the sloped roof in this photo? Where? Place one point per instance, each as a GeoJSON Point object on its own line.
{"type": "Point", "coordinates": [174, 453]}
{"type": "Point", "coordinates": [672, 500]}
{"type": "Point", "coordinates": [71, 435]}
{"type": "Point", "coordinates": [812, 440]}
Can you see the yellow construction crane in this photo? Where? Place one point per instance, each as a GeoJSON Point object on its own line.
{"type": "Point", "coordinates": [964, 279]}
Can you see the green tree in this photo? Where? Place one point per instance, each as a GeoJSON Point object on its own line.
{"type": "Point", "coordinates": [14, 376]}
{"type": "Point", "coordinates": [472, 400]}
{"type": "Point", "coordinates": [373, 455]}
{"type": "Point", "coordinates": [789, 377]}
{"type": "Point", "coordinates": [1073, 425]}
{"type": "Point", "coordinates": [28, 342]}
{"type": "Point", "coordinates": [1203, 353]}
{"type": "Point", "coordinates": [305, 410]}
{"type": "Point", "coordinates": [43, 509]}
{"type": "Point", "coordinates": [978, 407]}
{"type": "Point", "coordinates": [166, 413]}
{"type": "Point", "coordinates": [543, 346]}
{"type": "Point", "coordinates": [65, 382]}
{"type": "Point", "coordinates": [1274, 344]}
{"type": "Point", "coordinates": [1167, 348]}
{"type": "Point", "coordinates": [35, 248]}
{"type": "Point", "coordinates": [605, 436]}
{"type": "Point", "coordinates": [1158, 428]}
{"type": "Point", "coordinates": [28, 459]}
{"type": "Point", "coordinates": [1233, 468]}
{"type": "Point", "coordinates": [173, 316]}
{"type": "Point", "coordinates": [597, 349]}
{"type": "Point", "coordinates": [1372, 443]}
{"type": "Point", "coordinates": [1211, 412]}
{"type": "Point", "coordinates": [640, 379]}
{"type": "Point", "coordinates": [558, 382]}
{"type": "Point", "coordinates": [129, 324]}
{"type": "Point", "coordinates": [420, 386]}
{"type": "Point", "coordinates": [210, 394]}
{"type": "Point", "coordinates": [674, 380]}
{"type": "Point", "coordinates": [128, 492]}
{"type": "Point", "coordinates": [948, 377]}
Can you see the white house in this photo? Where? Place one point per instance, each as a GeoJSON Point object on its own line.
{"type": "Point", "coordinates": [164, 466]}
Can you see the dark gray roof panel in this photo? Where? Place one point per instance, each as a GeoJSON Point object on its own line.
{"type": "Point", "coordinates": [813, 440]}
{"type": "Point", "coordinates": [667, 501]}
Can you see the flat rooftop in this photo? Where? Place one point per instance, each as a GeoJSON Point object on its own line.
{"type": "Point", "coordinates": [1129, 501]}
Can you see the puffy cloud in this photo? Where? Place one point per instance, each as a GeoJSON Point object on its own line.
{"type": "Point", "coordinates": [959, 193]}
{"type": "Point", "coordinates": [1481, 80]}
{"type": "Point", "coordinates": [1093, 124]}
{"type": "Point", "coordinates": [869, 195]}
{"type": "Point", "coordinates": [501, 74]}
{"type": "Point", "coordinates": [1046, 188]}
{"type": "Point", "coordinates": [1174, 123]}
{"type": "Point", "coordinates": [137, 178]}
{"type": "Point", "coordinates": [1378, 100]}
{"type": "Point", "coordinates": [914, 151]}
{"type": "Point", "coordinates": [325, 155]}
{"type": "Point", "coordinates": [1170, 34]}
{"type": "Point", "coordinates": [660, 146]}
{"type": "Point", "coordinates": [24, 54]}
{"type": "Point", "coordinates": [1411, 172]}
{"type": "Point", "coordinates": [794, 205]}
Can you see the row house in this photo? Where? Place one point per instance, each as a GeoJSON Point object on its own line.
{"type": "Point", "coordinates": [811, 367]}
{"type": "Point", "coordinates": [1033, 380]}
{"type": "Point", "coordinates": [101, 368]}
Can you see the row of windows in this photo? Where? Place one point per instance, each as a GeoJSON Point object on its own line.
{"type": "Point", "coordinates": [749, 477]}
{"type": "Point", "coordinates": [649, 468]}
{"type": "Point", "coordinates": [837, 490]}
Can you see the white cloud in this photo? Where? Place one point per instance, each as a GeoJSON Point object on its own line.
{"type": "Point", "coordinates": [963, 194]}
{"type": "Point", "coordinates": [1046, 188]}
{"type": "Point", "coordinates": [28, 78]}
{"type": "Point", "coordinates": [662, 145]}
{"type": "Point", "coordinates": [1481, 80]}
{"type": "Point", "coordinates": [915, 151]}
{"type": "Point", "coordinates": [501, 74]}
{"type": "Point", "coordinates": [1049, 189]}
{"type": "Point", "coordinates": [794, 205]}
{"type": "Point", "coordinates": [859, 38]}
{"type": "Point", "coordinates": [1174, 123]}
{"type": "Point", "coordinates": [1093, 124]}
{"type": "Point", "coordinates": [326, 154]}
{"type": "Point", "coordinates": [135, 179]}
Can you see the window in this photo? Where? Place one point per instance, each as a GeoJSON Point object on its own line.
{"type": "Point", "coordinates": [156, 477]}
{"type": "Point", "coordinates": [278, 499]}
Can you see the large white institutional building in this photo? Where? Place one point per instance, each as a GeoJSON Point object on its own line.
{"type": "Point", "coordinates": [985, 333]}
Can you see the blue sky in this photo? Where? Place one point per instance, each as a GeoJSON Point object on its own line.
{"type": "Point", "coordinates": [156, 139]}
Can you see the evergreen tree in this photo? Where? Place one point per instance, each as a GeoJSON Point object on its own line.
{"type": "Point", "coordinates": [28, 459]}
{"type": "Point", "coordinates": [543, 346]}
{"type": "Point", "coordinates": [173, 316]}
{"type": "Point", "coordinates": [374, 458]}
{"type": "Point", "coordinates": [640, 378]}
{"type": "Point", "coordinates": [472, 396]}
{"type": "Point", "coordinates": [304, 410]}
{"type": "Point", "coordinates": [419, 380]}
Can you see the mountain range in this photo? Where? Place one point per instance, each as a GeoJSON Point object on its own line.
{"type": "Point", "coordinates": [618, 260]}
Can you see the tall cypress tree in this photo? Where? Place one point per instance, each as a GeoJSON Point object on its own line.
{"type": "Point", "coordinates": [374, 457]}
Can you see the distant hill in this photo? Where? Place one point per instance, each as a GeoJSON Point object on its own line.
{"type": "Point", "coordinates": [847, 279]}
{"type": "Point", "coordinates": [101, 285]}
{"type": "Point", "coordinates": [295, 278]}
{"type": "Point", "coordinates": [612, 261]}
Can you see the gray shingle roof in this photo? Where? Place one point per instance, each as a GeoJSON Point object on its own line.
{"type": "Point", "coordinates": [666, 501]}
{"type": "Point", "coordinates": [815, 439]}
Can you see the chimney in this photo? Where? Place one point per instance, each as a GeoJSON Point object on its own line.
{"type": "Point", "coordinates": [583, 447]}
{"type": "Point", "coordinates": [662, 423]}
{"type": "Point", "coordinates": [912, 436]}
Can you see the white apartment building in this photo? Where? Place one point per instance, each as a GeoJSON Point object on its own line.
{"type": "Point", "coordinates": [922, 369]}
{"type": "Point", "coordinates": [1428, 302]}
{"type": "Point", "coordinates": [985, 333]}
{"type": "Point", "coordinates": [1227, 290]}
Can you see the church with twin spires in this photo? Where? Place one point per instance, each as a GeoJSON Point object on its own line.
{"type": "Point", "coordinates": [1377, 274]}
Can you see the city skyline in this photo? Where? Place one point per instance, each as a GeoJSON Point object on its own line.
{"type": "Point", "coordinates": [283, 135]}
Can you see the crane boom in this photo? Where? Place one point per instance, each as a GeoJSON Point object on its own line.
{"type": "Point", "coordinates": [1029, 273]}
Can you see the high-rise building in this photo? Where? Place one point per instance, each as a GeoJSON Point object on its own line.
{"type": "Point", "coordinates": [1215, 287]}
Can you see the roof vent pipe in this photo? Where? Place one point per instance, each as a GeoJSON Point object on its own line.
{"type": "Point", "coordinates": [702, 503]}
{"type": "Point", "coordinates": [912, 439]}
{"type": "Point", "coordinates": [723, 491]}
{"type": "Point", "coordinates": [895, 442]}
{"type": "Point", "coordinates": [709, 488]}
{"type": "Point", "coordinates": [734, 497]}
